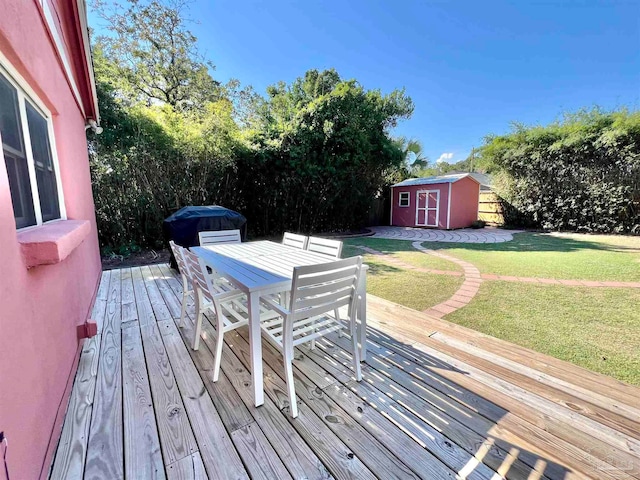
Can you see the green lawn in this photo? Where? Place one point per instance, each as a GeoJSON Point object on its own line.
{"type": "Point", "coordinates": [412, 289]}
{"type": "Point", "coordinates": [402, 250]}
{"type": "Point", "coordinates": [596, 328]}
{"type": "Point", "coordinates": [580, 257]}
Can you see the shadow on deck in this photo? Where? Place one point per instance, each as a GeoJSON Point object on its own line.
{"type": "Point", "coordinates": [436, 401]}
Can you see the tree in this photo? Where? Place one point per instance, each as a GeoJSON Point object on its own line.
{"type": "Point", "coordinates": [154, 56]}
{"type": "Point", "coordinates": [414, 159]}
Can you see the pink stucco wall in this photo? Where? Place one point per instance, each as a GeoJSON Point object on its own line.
{"type": "Point", "coordinates": [464, 204]}
{"type": "Point", "coordinates": [465, 194]}
{"type": "Point", "coordinates": [406, 216]}
{"type": "Point", "coordinates": [41, 307]}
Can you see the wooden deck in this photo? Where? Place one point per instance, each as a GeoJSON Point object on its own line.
{"type": "Point", "coordinates": [437, 401]}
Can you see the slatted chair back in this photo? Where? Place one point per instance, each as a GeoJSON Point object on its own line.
{"type": "Point", "coordinates": [316, 290]}
{"type": "Point", "coordinates": [221, 236]}
{"type": "Point", "coordinates": [198, 274]}
{"type": "Point", "coordinates": [295, 240]}
{"type": "Point", "coordinates": [179, 256]}
{"type": "Point", "coordinates": [332, 248]}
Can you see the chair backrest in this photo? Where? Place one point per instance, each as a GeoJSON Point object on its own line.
{"type": "Point", "coordinates": [322, 288]}
{"type": "Point", "coordinates": [221, 236]}
{"type": "Point", "coordinates": [295, 240]}
{"type": "Point", "coordinates": [179, 256]}
{"type": "Point", "coordinates": [332, 248]}
{"type": "Point", "coordinates": [197, 273]}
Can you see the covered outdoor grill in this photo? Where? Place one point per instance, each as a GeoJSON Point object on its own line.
{"type": "Point", "coordinates": [183, 226]}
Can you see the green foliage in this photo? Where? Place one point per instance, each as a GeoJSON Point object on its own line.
{"type": "Point", "coordinates": [153, 56]}
{"type": "Point", "coordinates": [310, 156]}
{"type": "Point", "coordinates": [579, 174]}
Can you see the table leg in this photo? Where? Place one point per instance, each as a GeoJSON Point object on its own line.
{"type": "Point", "coordinates": [255, 346]}
{"type": "Point", "coordinates": [362, 315]}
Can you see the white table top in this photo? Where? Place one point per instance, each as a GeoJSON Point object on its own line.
{"type": "Point", "coordinates": [258, 265]}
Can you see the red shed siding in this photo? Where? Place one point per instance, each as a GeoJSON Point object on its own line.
{"type": "Point", "coordinates": [41, 307]}
{"type": "Point", "coordinates": [464, 208]}
{"type": "Point", "coordinates": [406, 216]}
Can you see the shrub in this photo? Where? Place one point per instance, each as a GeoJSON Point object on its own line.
{"type": "Point", "coordinates": [581, 174]}
{"type": "Point", "coordinates": [479, 224]}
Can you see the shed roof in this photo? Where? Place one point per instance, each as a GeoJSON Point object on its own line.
{"type": "Point", "coordinates": [432, 180]}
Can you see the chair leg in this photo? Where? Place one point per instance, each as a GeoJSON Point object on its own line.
{"type": "Point", "coordinates": [336, 312]}
{"type": "Point", "coordinates": [198, 325]}
{"type": "Point", "coordinates": [356, 351]}
{"type": "Point", "coordinates": [183, 310]}
{"type": "Point", "coordinates": [218, 355]}
{"type": "Point", "coordinates": [185, 297]}
{"type": "Point", "coordinates": [288, 371]}
{"type": "Point", "coordinates": [219, 340]}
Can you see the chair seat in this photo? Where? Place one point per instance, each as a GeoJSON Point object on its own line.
{"type": "Point", "coordinates": [304, 330]}
{"type": "Point", "coordinates": [235, 311]}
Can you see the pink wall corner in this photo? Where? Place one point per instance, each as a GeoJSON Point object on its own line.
{"type": "Point", "coordinates": [406, 216]}
{"type": "Point", "coordinates": [41, 307]}
{"type": "Point", "coordinates": [465, 195]}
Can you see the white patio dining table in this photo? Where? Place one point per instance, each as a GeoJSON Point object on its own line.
{"type": "Point", "coordinates": [262, 268]}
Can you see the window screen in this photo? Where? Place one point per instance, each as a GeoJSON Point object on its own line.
{"type": "Point", "coordinates": [45, 174]}
{"type": "Point", "coordinates": [14, 155]}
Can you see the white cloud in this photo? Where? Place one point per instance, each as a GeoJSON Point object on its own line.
{"type": "Point", "coordinates": [445, 157]}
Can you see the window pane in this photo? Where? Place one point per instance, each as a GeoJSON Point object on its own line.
{"type": "Point", "coordinates": [9, 117]}
{"type": "Point", "coordinates": [45, 174]}
{"type": "Point", "coordinates": [20, 188]}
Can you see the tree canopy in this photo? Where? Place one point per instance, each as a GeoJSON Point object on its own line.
{"type": "Point", "coordinates": [310, 155]}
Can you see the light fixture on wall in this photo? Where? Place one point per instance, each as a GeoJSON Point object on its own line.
{"type": "Point", "coordinates": [93, 125]}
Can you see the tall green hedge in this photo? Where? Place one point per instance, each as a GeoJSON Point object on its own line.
{"type": "Point", "coordinates": [308, 162]}
{"type": "Point", "coordinates": [579, 174]}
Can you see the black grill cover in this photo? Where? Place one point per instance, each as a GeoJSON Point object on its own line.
{"type": "Point", "coordinates": [183, 226]}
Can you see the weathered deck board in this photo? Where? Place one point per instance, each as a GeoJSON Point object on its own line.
{"type": "Point", "coordinates": [72, 449]}
{"type": "Point", "coordinates": [218, 454]}
{"type": "Point", "coordinates": [176, 436]}
{"type": "Point", "coordinates": [436, 399]}
{"type": "Point", "coordinates": [143, 458]}
{"type": "Point", "coordinates": [105, 454]}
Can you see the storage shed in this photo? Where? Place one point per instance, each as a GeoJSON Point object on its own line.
{"type": "Point", "coordinates": [446, 201]}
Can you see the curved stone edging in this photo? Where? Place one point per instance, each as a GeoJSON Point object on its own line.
{"type": "Point", "coordinates": [464, 294]}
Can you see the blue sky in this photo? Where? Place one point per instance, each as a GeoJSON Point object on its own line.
{"type": "Point", "coordinates": [471, 68]}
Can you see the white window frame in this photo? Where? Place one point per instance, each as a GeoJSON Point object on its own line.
{"type": "Point", "coordinates": [26, 94]}
{"type": "Point", "coordinates": [408, 194]}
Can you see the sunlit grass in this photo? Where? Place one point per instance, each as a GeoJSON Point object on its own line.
{"type": "Point", "coordinates": [581, 257]}
{"type": "Point", "coordinates": [412, 289]}
{"type": "Point", "coordinates": [596, 328]}
{"type": "Point", "coordinates": [402, 250]}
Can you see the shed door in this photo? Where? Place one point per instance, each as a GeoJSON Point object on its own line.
{"type": "Point", "coordinates": [427, 208]}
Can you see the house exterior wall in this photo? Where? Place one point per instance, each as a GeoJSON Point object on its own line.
{"type": "Point", "coordinates": [41, 307]}
{"type": "Point", "coordinates": [465, 195]}
{"type": "Point", "coordinates": [406, 216]}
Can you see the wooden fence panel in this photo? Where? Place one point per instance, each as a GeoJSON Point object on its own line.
{"type": "Point", "coordinates": [490, 209]}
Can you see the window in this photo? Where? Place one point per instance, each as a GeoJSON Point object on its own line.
{"type": "Point", "coordinates": [28, 156]}
{"type": "Point", "coordinates": [404, 199]}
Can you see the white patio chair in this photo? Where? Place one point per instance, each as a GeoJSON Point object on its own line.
{"type": "Point", "coordinates": [295, 240]}
{"type": "Point", "coordinates": [217, 294]}
{"type": "Point", "coordinates": [222, 236]}
{"type": "Point", "coordinates": [332, 248]}
{"type": "Point", "coordinates": [187, 289]}
{"type": "Point", "coordinates": [316, 290]}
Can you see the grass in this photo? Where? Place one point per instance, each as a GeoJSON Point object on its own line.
{"type": "Point", "coordinates": [579, 257]}
{"type": "Point", "coordinates": [597, 328]}
{"type": "Point", "coordinates": [402, 250]}
{"type": "Point", "coordinates": [417, 290]}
